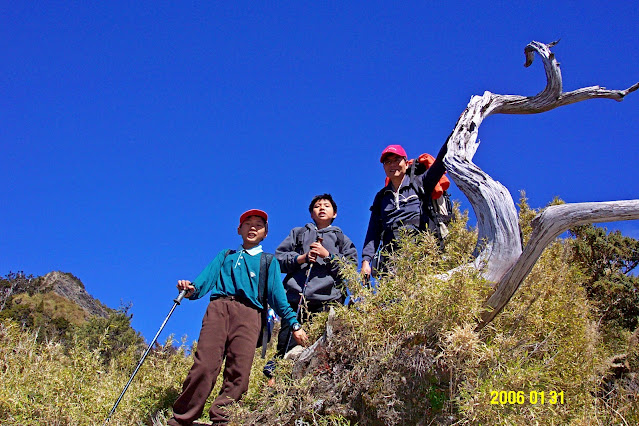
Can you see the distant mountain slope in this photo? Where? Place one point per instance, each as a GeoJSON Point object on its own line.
{"type": "Point", "coordinates": [71, 288]}
{"type": "Point", "coordinates": [56, 299]}
{"type": "Point", "coordinates": [57, 307]}
{"type": "Point", "coordinates": [52, 306]}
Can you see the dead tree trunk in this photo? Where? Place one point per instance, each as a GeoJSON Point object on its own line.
{"type": "Point", "coordinates": [499, 253]}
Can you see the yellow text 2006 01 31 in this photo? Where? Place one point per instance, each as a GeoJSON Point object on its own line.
{"type": "Point", "coordinates": [531, 397]}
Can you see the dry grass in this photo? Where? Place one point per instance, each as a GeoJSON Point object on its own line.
{"type": "Point", "coordinates": [406, 353]}
{"type": "Point", "coordinates": [44, 384]}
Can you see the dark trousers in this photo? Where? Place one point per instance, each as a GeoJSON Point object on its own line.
{"type": "Point", "coordinates": [229, 329]}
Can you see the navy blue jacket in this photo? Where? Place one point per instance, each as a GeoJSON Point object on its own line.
{"type": "Point", "coordinates": [402, 209]}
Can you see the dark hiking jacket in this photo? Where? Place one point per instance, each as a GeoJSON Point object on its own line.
{"type": "Point", "coordinates": [392, 210]}
{"type": "Point", "coordinates": [325, 284]}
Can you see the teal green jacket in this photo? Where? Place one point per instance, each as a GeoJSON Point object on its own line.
{"type": "Point", "coordinates": [237, 275]}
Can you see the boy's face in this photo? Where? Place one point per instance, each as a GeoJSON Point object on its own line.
{"type": "Point", "coordinates": [323, 213]}
{"type": "Point", "coordinates": [253, 231]}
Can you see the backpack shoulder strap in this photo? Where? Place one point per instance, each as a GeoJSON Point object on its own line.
{"type": "Point", "coordinates": [262, 288]}
{"type": "Point", "coordinates": [413, 176]}
{"type": "Point", "coordinates": [299, 238]}
{"type": "Point", "coordinates": [412, 168]}
{"type": "Point", "coordinates": [416, 184]}
{"type": "Point", "coordinates": [340, 239]}
{"type": "Point", "coordinates": [339, 236]}
{"type": "Point", "coordinates": [262, 294]}
{"type": "Point", "coordinates": [427, 207]}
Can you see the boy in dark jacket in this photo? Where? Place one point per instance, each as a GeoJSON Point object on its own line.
{"type": "Point", "coordinates": [232, 322]}
{"type": "Point", "coordinates": [309, 258]}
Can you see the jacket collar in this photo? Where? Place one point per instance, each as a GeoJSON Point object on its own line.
{"type": "Point", "coordinates": [330, 228]}
{"type": "Point", "coordinates": [253, 251]}
{"type": "Point", "coordinates": [405, 182]}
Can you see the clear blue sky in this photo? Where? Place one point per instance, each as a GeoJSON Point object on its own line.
{"type": "Point", "coordinates": [133, 134]}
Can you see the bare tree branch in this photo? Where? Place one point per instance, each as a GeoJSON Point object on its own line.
{"type": "Point", "coordinates": [499, 242]}
{"type": "Point", "coordinates": [547, 226]}
{"type": "Point", "coordinates": [499, 253]}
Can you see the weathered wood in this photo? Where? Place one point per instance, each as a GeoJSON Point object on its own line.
{"type": "Point", "coordinates": [499, 242]}
{"type": "Point", "coordinates": [499, 254]}
{"type": "Point", "coordinates": [547, 226]}
{"type": "Point", "coordinates": [311, 357]}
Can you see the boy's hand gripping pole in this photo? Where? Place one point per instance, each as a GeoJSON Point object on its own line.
{"type": "Point", "coordinates": [302, 298]}
{"type": "Point", "coordinates": [308, 277]}
{"type": "Point", "coordinates": [176, 301]}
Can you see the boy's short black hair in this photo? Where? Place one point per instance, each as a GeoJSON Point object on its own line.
{"type": "Point", "coordinates": [327, 197]}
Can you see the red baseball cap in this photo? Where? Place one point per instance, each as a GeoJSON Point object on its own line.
{"type": "Point", "coordinates": [392, 149]}
{"type": "Point", "coordinates": [253, 212]}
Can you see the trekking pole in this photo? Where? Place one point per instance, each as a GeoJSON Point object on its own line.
{"type": "Point", "coordinates": [176, 301]}
{"type": "Point", "coordinates": [299, 304]}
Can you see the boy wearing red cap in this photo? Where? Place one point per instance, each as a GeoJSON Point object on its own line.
{"type": "Point", "coordinates": [398, 205]}
{"type": "Point", "coordinates": [231, 325]}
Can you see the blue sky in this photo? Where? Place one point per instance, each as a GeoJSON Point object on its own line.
{"type": "Point", "coordinates": [133, 134]}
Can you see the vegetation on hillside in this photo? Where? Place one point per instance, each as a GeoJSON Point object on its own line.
{"type": "Point", "coordinates": [606, 261]}
{"type": "Point", "coordinates": [565, 350]}
{"type": "Point", "coordinates": [408, 353]}
{"type": "Point", "coordinates": [53, 318]}
{"type": "Point", "coordinates": [54, 384]}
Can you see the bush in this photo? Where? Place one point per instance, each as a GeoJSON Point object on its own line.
{"type": "Point", "coordinates": [408, 351]}
{"type": "Point", "coordinates": [607, 261]}
{"type": "Point", "coordinates": [110, 336]}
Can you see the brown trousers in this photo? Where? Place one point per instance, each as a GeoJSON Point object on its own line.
{"type": "Point", "coordinates": [229, 329]}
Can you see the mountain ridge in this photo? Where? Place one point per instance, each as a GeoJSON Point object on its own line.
{"type": "Point", "coordinates": [71, 288]}
{"type": "Point", "coordinates": [56, 296]}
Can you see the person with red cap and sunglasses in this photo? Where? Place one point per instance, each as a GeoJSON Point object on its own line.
{"type": "Point", "coordinates": [232, 322]}
{"type": "Point", "coordinates": [397, 206]}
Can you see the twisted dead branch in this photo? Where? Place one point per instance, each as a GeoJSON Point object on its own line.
{"type": "Point", "coordinates": [499, 249]}
{"type": "Point", "coordinates": [498, 253]}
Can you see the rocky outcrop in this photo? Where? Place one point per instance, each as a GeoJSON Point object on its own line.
{"type": "Point", "coordinates": [71, 288]}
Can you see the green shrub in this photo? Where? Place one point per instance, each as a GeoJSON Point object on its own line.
{"type": "Point", "coordinates": [607, 261]}
{"type": "Point", "coordinates": [110, 336]}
